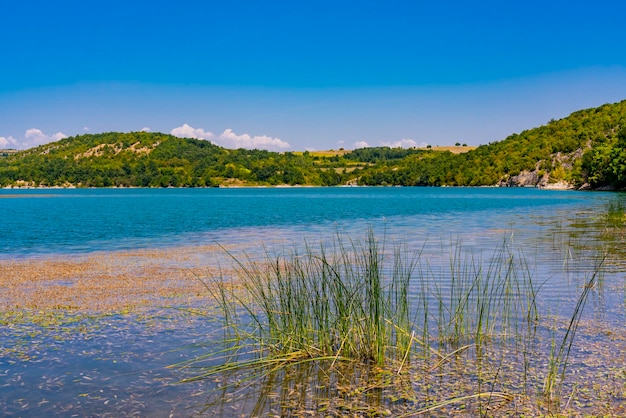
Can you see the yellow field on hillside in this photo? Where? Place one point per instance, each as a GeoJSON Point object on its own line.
{"type": "Point", "coordinates": [454, 149]}
{"type": "Point", "coordinates": [332, 153]}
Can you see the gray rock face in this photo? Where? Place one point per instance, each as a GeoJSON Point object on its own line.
{"type": "Point", "coordinates": [523, 179]}
{"type": "Point", "coordinates": [540, 178]}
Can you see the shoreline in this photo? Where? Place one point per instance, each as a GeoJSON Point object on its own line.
{"type": "Point", "coordinates": [550, 186]}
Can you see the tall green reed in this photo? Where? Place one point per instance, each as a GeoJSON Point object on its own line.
{"type": "Point", "coordinates": [559, 357]}
{"type": "Point", "coordinates": [381, 304]}
{"type": "Point", "coordinates": [482, 300]}
{"type": "Point", "coordinates": [341, 303]}
{"type": "Point", "coordinates": [356, 300]}
{"type": "Point", "coordinates": [616, 215]}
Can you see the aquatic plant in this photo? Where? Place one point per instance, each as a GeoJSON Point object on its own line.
{"type": "Point", "coordinates": [320, 304]}
{"type": "Point", "coordinates": [371, 314]}
{"type": "Point", "coordinates": [559, 358]}
{"type": "Point", "coordinates": [616, 214]}
{"type": "Point", "coordinates": [482, 300]}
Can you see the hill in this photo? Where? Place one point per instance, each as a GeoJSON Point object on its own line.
{"type": "Point", "coordinates": [584, 150]}
{"type": "Point", "coordinates": [141, 159]}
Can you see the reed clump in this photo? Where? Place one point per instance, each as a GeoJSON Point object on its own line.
{"type": "Point", "coordinates": [616, 215]}
{"type": "Point", "coordinates": [339, 304]}
{"type": "Point", "coordinates": [384, 313]}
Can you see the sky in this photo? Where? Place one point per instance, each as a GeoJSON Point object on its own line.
{"type": "Point", "coordinates": [310, 75]}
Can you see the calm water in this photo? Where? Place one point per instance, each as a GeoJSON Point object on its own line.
{"type": "Point", "coordinates": [44, 222]}
{"type": "Point", "coordinates": [552, 229]}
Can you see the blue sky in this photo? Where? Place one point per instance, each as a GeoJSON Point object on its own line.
{"type": "Point", "coordinates": [286, 75]}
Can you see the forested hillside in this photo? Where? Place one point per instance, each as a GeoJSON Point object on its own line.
{"type": "Point", "coordinates": [141, 159]}
{"type": "Point", "coordinates": [586, 149]}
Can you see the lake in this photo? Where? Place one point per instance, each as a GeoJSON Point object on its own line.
{"type": "Point", "coordinates": [114, 363]}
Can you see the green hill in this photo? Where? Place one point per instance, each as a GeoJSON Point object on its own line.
{"type": "Point", "coordinates": [141, 159]}
{"type": "Point", "coordinates": [586, 149]}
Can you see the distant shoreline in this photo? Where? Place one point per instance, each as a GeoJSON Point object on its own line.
{"type": "Point", "coordinates": [552, 186]}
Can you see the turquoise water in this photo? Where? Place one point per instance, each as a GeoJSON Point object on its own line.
{"type": "Point", "coordinates": [118, 368]}
{"type": "Point", "coordinates": [552, 229]}
{"type": "Point", "coordinates": [40, 222]}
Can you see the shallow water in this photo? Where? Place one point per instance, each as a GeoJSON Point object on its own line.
{"type": "Point", "coordinates": [115, 365]}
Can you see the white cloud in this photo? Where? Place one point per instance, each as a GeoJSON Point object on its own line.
{"type": "Point", "coordinates": [9, 142]}
{"type": "Point", "coordinates": [230, 139]}
{"type": "Point", "coordinates": [145, 129]}
{"type": "Point", "coordinates": [403, 143]}
{"type": "Point", "coordinates": [187, 131]}
{"type": "Point", "coordinates": [34, 137]}
{"type": "Point", "coordinates": [360, 144]}
{"type": "Point", "coordinates": [86, 129]}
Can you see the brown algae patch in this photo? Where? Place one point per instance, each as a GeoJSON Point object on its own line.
{"type": "Point", "coordinates": [105, 282]}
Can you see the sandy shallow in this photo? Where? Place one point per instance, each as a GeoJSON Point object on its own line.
{"type": "Point", "coordinates": [160, 278]}
{"type": "Point", "coordinates": [108, 281]}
